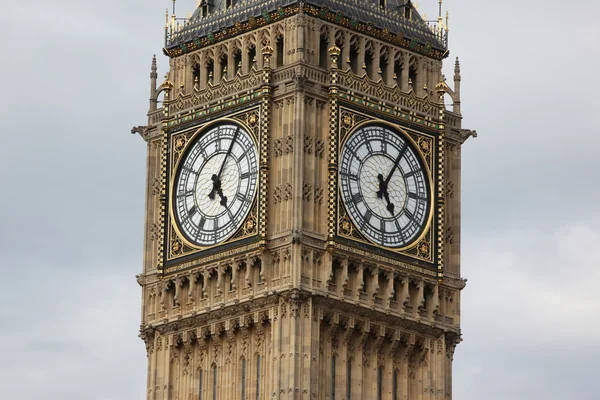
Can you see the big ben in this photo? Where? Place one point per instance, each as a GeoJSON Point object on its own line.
{"type": "Point", "coordinates": [302, 235]}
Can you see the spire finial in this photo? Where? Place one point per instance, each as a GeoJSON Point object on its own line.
{"type": "Point", "coordinates": [457, 69]}
{"type": "Point", "coordinates": [153, 68]}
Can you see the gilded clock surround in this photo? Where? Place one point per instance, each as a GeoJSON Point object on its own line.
{"type": "Point", "coordinates": [180, 246]}
{"type": "Point", "coordinates": [420, 248]}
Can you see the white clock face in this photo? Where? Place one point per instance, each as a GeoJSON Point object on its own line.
{"type": "Point", "coordinates": [384, 186]}
{"type": "Point", "coordinates": [215, 185]}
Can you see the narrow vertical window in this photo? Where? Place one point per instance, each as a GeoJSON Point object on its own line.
{"type": "Point", "coordinates": [200, 390]}
{"type": "Point", "coordinates": [348, 380]}
{"type": "Point", "coordinates": [323, 54]}
{"type": "Point", "coordinates": [279, 49]}
{"type": "Point", "coordinates": [257, 377]}
{"type": "Point", "coordinates": [379, 382]}
{"type": "Point", "coordinates": [333, 359]}
{"type": "Point", "coordinates": [243, 378]}
{"type": "Point", "coordinates": [215, 382]}
{"type": "Point", "coordinates": [395, 386]}
{"type": "Point", "coordinates": [412, 77]}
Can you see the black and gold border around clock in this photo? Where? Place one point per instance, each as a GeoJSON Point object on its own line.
{"type": "Point", "coordinates": [178, 251]}
{"type": "Point", "coordinates": [423, 250]}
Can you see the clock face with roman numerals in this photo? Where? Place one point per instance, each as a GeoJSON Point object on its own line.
{"type": "Point", "coordinates": [384, 186]}
{"type": "Point", "coordinates": [215, 184]}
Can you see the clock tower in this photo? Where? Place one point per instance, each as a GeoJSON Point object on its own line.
{"type": "Point", "coordinates": [302, 234]}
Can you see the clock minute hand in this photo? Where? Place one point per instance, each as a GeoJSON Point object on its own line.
{"type": "Point", "coordinates": [396, 163]}
{"type": "Point", "coordinates": [216, 179]}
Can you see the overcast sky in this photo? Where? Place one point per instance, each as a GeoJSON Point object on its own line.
{"type": "Point", "coordinates": [75, 80]}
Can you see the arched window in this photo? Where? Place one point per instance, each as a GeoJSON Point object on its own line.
{"type": "Point", "coordinates": [258, 377]}
{"type": "Point", "coordinates": [243, 378]}
{"type": "Point", "coordinates": [349, 379]}
{"type": "Point", "coordinates": [200, 385]}
{"type": "Point", "coordinates": [379, 383]}
{"type": "Point", "coordinates": [279, 51]}
{"type": "Point", "coordinates": [383, 66]}
{"type": "Point", "coordinates": [214, 388]}
{"type": "Point", "coordinates": [323, 55]}
{"type": "Point", "coordinates": [412, 77]}
{"type": "Point", "coordinates": [210, 71]}
{"type": "Point", "coordinates": [395, 385]}
{"type": "Point", "coordinates": [369, 65]}
{"type": "Point", "coordinates": [223, 67]}
{"type": "Point", "coordinates": [196, 75]}
{"type": "Point", "coordinates": [333, 360]}
{"type": "Point", "coordinates": [237, 62]}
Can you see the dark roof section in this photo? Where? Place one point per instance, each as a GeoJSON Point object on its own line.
{"type": "Point", "coordinates": [365, 11]}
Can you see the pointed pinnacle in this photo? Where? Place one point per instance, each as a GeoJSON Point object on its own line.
{"type": "Point", "coordinates": [153, 69]}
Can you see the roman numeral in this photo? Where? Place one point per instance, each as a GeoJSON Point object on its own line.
{"type": "Point", "coordinates": [192, 211]}
{"type": "Point", "coordinates": [409, 215]}
{"type": "Point", "coordinates": [246, 175]}
{"type": "Point", "coordinates": [400, 231]}
{"type": "Point", "coordinates": [354, 177]}
{"type": "Point", "coordinates": [415, 196]}
{"type": "Point", "coordinates": [357, 198]}
{"type": "Point", "coordinates": [368, 216]}
{"type": "Point", "coordinates": [241, 197]}
{"type": "Point", "coordinates": [202, 222]}
{"type": "Point", "coordinates": [411, 173]}
{"type": "Point", "coordinates": [382, 226]}
{"type": "Point", "coordinates": [384, 146]}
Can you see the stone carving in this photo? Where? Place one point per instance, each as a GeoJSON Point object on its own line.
{"type": "Point", "coordinates": [450, 235]}
{"type": "Point", "coordinates": [307, 191]}
{"type": "Point", "coordinates": [450, 189]}
{"type": "Point", "coordinates": [318, 195]}
{"type": "Point", "coordinates": [308, 144]}
{"type": "Point", "coordinates": [277, 195]}
{"type": "Point", "coordinates": [319, 147]}
{"type": "Point", "coordinates": [287, 191]}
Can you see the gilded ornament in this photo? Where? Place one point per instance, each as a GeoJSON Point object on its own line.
{"type": "Point", "coordinates": [252, 119]}
{"type": "Point", "coordinates": [346, 227]}
{"type": "Point", "coordinates": [347, 120]}
{"type": "Point", "coordinates": [176, 246]}
{"type": "Point", "coordinates": [425, 146]}
{"type": "Point", "coordinates": [424, 249]}
{"type": "Point", "coordinates": [250, 225]}
{"type": "Point", "coordinates": [179, 143]}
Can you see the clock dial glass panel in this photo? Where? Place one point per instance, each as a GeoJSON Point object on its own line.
{"type": "Point", "coordinates": [384, 186]}
{"type": "Point", "coordinates": [215, 185]}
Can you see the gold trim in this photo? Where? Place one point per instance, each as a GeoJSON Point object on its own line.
{"type": "Point", "coordinates": [403, 132]}
{"type": "Point", "coordinates": [175, 170]}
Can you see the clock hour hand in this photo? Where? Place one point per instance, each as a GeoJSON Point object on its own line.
{"type": "Point", "coordinates": [382, 192]}
{"type": "Point", "coordinates": [217, 190]}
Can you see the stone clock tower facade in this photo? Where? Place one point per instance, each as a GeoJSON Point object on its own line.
{"type": "Point", "coordinates": [302, 232]}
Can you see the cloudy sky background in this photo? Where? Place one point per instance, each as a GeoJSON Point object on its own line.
{"type": "Point", "coordinates": [75, 80]}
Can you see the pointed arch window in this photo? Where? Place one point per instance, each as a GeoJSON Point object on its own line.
{"type": "Point", "coordinates": [349, 379]}
{"type": "Point", "coordinates": [200, 385]}
{"type": "Point", "coordinates": [323, 55]}
{"type": "Point", "coordinates": [214, 388]}
{"type": "Point", "coordinates": [379, 383]}
{"type": "Point", "coordinates": [333, 360]}
{"type": "Point", "coordinates": [243, 378]}
{"type": "Point", "coordinates": [279, 51]}
{"type": "Point", "coordinates": [412, 78]}
{"type": "Point", "coordinates": [258, 377]}
{"type": "Point", "coordinates": [395, 385]}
